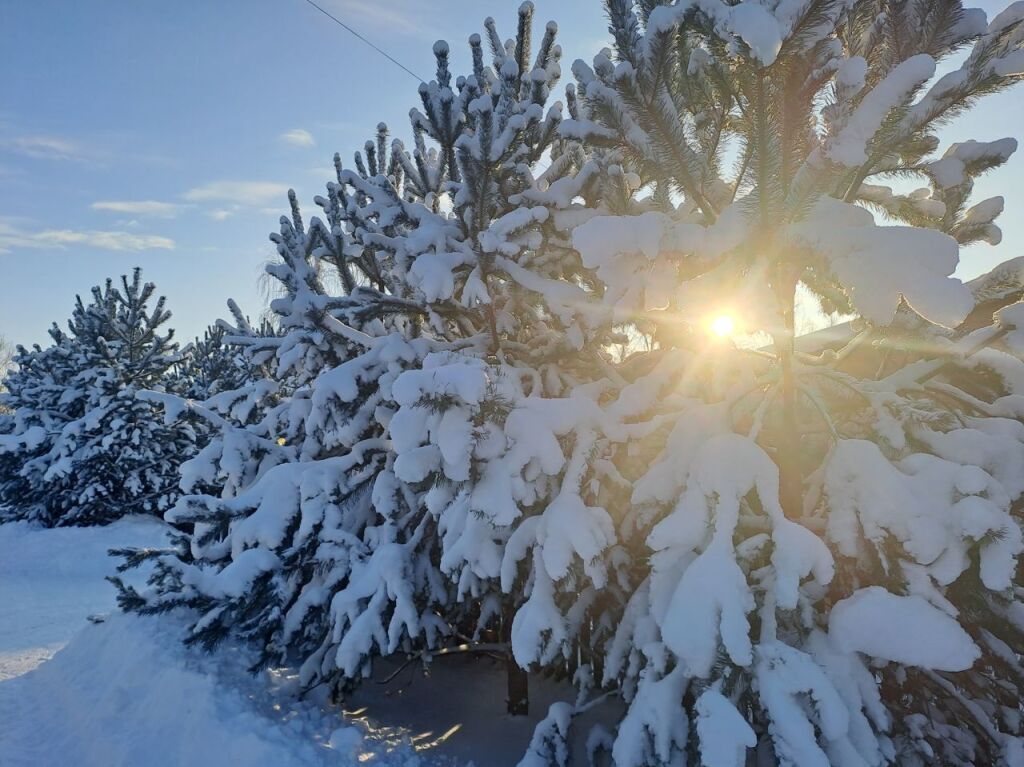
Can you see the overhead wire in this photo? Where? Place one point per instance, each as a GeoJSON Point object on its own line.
{"type": "Point", "coordinates": [375, 47]}
{"type": "Point", "coordinates": [379, 50]}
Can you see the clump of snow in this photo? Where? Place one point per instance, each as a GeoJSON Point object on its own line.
{"type": "Point", "coordinates": [799, 697]}
{"type": "Point", "coordinates": [711, 601]}
{"type": "Point", "coordinates": [724, 734]}
{"type": "Point", "coordinates": [347, 741]}
{"type": "Point", "coordinates": [849, 147]}
{"type": "Point", "coordinates": [932, 504]}
{"type": "Point", "coordinates": [952, 168]}
{"type": "Point", "coordinates": [549, 744]}
{"type": "Point", "coordinates": [879, 266]}
{"type": "Point", "coordinates": [656, 708]}
{"type": "Point", "coordinates": [638, 257]}
{"type": "Point", "coordinates": [751, 22]}
{"type": "Point", "coordinates": [906, 630]}
{"type": "Point", "coordinates": [620, 246]}
{"type": "Point", "coordinates": [1001, 281]}
{"type": "Point", "coordinates": [1011, 317]}
{"type": "Point", "coordinates": [851, 74]}
{"type": "Point", "coordinates": [984, 212]}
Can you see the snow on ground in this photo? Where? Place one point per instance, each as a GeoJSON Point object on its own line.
{"type": "Point", "coordinates": [52, 580]}
{"type": "Point", "coordinates": [126, 691]}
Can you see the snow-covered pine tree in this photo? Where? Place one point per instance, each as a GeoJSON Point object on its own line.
{"type": "Point", "coordinates": [216, 386]}
{"type": "Point", "coordinates": [212, 364]}
{"type": "Point", "coordinates": [833, 569]}
{"type": "Point", "coordinates": [87, 449]}
{"type": "Point", "coordinates": [6, 356]}
{"type": "Point", "coordinates": [382, 521]}
{"type": "Point", "coordinates": [38, 401]}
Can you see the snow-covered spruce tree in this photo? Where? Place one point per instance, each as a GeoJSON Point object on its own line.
{"type": "Point", "coordinates": [87, 449]}
{"type": "Point", "coordinates": [833, 570]}
{"type": "Point", "coordinates": [414, 323]}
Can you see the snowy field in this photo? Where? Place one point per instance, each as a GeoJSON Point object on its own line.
{"type": "Point", "coordinates": [125, 691]}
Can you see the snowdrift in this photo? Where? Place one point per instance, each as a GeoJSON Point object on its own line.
{"type": "Point", "coordinates": [126, 692]}
{"type": "Point", "coordinates": [52, 580]}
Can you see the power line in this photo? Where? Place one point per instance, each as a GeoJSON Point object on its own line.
{"type": "Point", "coordinates": [382, 52]}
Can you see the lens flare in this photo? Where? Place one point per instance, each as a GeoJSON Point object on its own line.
{"type": "Point", "coordinates": [723, 325]}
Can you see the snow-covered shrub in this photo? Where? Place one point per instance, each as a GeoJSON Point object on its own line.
{"type": "Point", "coordinates": [511, 418]}
{"type": "Point", "coordinates": [80, 446]}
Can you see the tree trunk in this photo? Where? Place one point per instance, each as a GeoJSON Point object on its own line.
{"type": "Point", "coordinates": [518, 700]}
{"type": "Point", "coordinates": [518, 688]}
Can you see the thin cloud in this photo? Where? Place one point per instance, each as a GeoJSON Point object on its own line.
{"type": "Point", "coordinates": [405, 16]}
{"type": "Point", "coordinates": [13, 237]}
{"type": "Point", "coordinates": [139, 207]}
{"type": "Point", "coordinates": [106, 240]}
{"type": "Point", "coordinates": [298, 137]}
{"type": "Point", "coordinates": [220, 215]}
{"type": "Point", "coordinates": [99, 152]}
{"type": "Point", "coordinates": [44, 147]}
{"type": "Point", "coordinates": [253, 193]}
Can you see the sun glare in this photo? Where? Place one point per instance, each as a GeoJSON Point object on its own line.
{"type": "Point", "coordinates": [723, 326]}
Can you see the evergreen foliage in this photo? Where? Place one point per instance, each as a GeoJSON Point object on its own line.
{"type": "Point", "coordinates": [212, 364]}
{"type": "Point", "coordinates": [80, 446]}
{"type": "Point", "coordinates": [797, 507]}
{"type": "Point", "coordinates": [492, 409]}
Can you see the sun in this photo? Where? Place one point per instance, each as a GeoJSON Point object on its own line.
{"type": "Point", "coordinates": [722, 325]}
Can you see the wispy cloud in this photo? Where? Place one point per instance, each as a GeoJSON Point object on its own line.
{"type": "Point", "coordinates": [404, 16]}
{"type": "Point", "coordinates": [220, 215]}
{"type": "Point", "coordinates": [98, 151]}
{"type": "Point", "coordinates": [42, 147]}
{"type": "Point", "coordinates": [140, 207]}
{"type": "Point", "coordinates": [13, 236]}
{"type": "Point", "coordinates": [298, 137]}
{"type": "Point", "coordinates": [254, 193]}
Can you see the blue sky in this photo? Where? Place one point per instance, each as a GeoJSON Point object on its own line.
{"type": "Point", "coordinates": [165, 135]}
